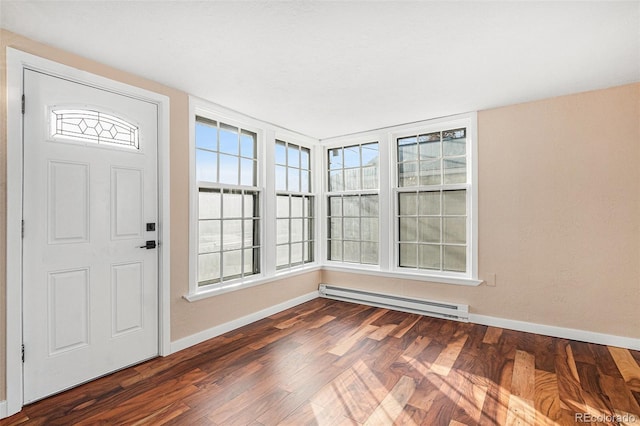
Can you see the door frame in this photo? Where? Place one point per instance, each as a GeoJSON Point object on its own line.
{"type": "Point", "coordinates": [17, 61]}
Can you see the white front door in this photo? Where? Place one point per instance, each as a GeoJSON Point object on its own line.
{"type": "Point", "coordinates": [90, 292]}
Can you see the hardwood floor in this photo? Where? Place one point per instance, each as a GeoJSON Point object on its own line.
{"type": "Point", "coordinates": [335, 363]}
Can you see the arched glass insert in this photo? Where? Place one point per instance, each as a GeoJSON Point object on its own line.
{"type": "Point", "coordinates": [93, 126]}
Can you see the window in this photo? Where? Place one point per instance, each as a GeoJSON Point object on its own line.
{"type": "Point", "coordinates": [352, 222]}
{"type": "Point", "coordinates": [91, 126]}
{"type": "Point", "coordinates": [294, 205]}
{"type": "Point", "coordinates": [432, 201]}
{"type": "Point", "coordinates": [228, 202]}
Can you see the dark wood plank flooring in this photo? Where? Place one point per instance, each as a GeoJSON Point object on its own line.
{"type": "Point", "coordinates": [335, 363]}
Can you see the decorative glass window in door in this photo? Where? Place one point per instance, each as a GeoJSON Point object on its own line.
{"type": "Point", "coordinates": [83, 125]}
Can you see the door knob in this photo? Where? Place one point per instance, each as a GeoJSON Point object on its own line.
{"type": "Point", "coordinates": [151, 244]}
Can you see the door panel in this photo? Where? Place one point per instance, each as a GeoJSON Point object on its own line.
{"type": "Point", "coordinates": [90, 292]}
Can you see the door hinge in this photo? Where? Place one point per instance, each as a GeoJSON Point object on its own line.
{"type": "Point", "coordinates": [22, 353]}
{"type": "Point", "coordinates": [22, 104]}
{"type": "Point", "coordinates": [22, 231]}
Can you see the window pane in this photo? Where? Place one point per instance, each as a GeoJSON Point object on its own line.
{"type": "Point", "coordinates": [293, 156]}
{"type": "Point", "coordinates": [250, 209]}
{"type": "Point", "coordinates": [305, 185]}
{"type": "Point", "coordinates": [351, 228]}
{"type": "Point", "coordinates": [296, 206]}
{"type": "Point", "coordinates": [251, 261]}
{"type": "Point", "coordinates": [296, 254]}
{"type": "Point", "coordinates": [282, 206]}
{"type": "Point", "coordinates": [429, 256]}
{"type": "Point", "coordinates": [455, 202]}
{"type": "Point", "coordinates": [369, 178]}
{"type": "Point", "coordinates": [335, 228]}
{"type": "Point", "coordinates": [335, 181]}
{"type": "Point", "coordinates": [430, 172]}
{"type": "Point", "coordinates": [281, 178]}
{"type": "Point", "coordinates": [369, 229]}
{"type": "Point", "coordinates": [455, 230]}
{"type": "Point", "coordinates": [207, 135]}
{"type": "Point", "coordinates": [429, 146]}
{"type": "Point", "coordinates": [369, 205]}
{"type": "Point", "coordinates": [351, 205]}
{"type": "Point", "coordinates": [408, 229]}
{"type": "Point", "coordinates": [308, 252]}
{"type": "Point", "coordinates": [304, 158]}
{"type": "Point", "coordinates": [228, 139]}
{"type": "Point", "coordinates": [232, 231]}
{"type": "Point", "coordinates": [231, 205]}
{"type": "Point", "coordinates": [335, 206]}
{"type": "Point", "coordinates": [208, 268]}
{"type": "Point", "coordinates": [209, 236]}
{"type": "Point", "coordinates": [228, 169]}
{"type": "Point", "coordinates": [335, 250]}
{"type": "Point", "coordinates": [407, 174]}
{"type": "Point", "coordinates": [351, 179]}
{"type": "Point", "coordinates": [247, 172]}
{"type": "Point", "coordinates": [308, 206]}
{"type": "Point", "coordinates": [335, 158]}
{"type": "Point", "coordinates": [455, 258]}
{"type": "Point", "coordinates": [370, 154]}
{"type": "Point", "coordinates": [429, 229]}
{"type": "Point", "coordinates": [455, 170]}
{"type": "Point", "coordinates": [208, 204]}
{"type": "Point", "coordinates": [408, 203]}
{"type": "Point", "coordinates": [429, 203]}
{"type": "Point", "coordinates": [232, 263]}
{"type": "Point", "coordinates": [206, 166]}
{"type": "Point", "coordinates": [369, 253]}
{"type": "Point", "coordinates": [247, 144]}
{"type": "Point", "coordinates": [408, 255]}
{"type": "Point", "coordinates": [250, 233]}
{"type": "Point", "coordinates": [351, 251]}
{"type": "Point", "coordinates": [352, 156]}
{"type": "Point", "coordinates": [296, 230]}
{"type": "Point", "coordinates": [282, 231]}
{"type": "Point", "coordinates": [281, 153]}
{"type": "Point", "coordinates": [308, 229]}
{"type": "Point", "coordinates": [454, 142]}
{"type": "Point", "coordinates": [294, 179]}
{"type": "Point", "coordinates": [282, 256]}
{"type": "Point", "coordinates": [407, 149]}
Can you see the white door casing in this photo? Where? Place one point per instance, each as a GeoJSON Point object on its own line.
{"type": "Point", "coordinates": [90, 293]}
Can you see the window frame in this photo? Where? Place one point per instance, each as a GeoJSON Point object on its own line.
{"type": "Point", "coordinates": [361, 139]}
{"type": "Point", "coordinates": [311, 239]}
{"type": "Point", "coordinates": [266, 134]}
{"type": "Point", "coordinates": [388, 201]}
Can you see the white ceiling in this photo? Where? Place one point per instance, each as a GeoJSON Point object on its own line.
{"type": "Point", "coordinates": [332, 68]}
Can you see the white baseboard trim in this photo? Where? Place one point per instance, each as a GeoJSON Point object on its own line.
{"type": "Point", "coordinates": [3, 409]}
{"type": "Point", "coordinates": [200, 337]}
{"type": "Point", "coordinates": [564, 333]}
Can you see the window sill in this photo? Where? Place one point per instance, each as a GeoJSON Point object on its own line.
{"type": "Point", "coordinates": [433, 278]}
{"type": "Point", "coordinates": [250, 282]}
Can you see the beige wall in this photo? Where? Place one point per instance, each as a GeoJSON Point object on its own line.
{"type": "Point", "coordinates": [186, 318]}
{"type": "Point", "coordinates": [559, 215]}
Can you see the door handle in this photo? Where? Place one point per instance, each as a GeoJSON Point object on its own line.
{"type": "Point", "coordinates": [151, 244]}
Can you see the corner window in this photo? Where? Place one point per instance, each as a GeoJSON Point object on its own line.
{"type": "Point", "coordinates": [294, 205]}
{"type": "Point", "coordinates": [228, 202]}
{"type": "Point", "coordinates": [433, 220]}
{"type": "Point", "coordinates": [352, 203]}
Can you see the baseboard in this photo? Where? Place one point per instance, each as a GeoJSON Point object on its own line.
{"type": "Point", "coordinates": [200, 337]}
{"type": "Point", "coordinates": [564, 333]}
{"type": "Point", "coordinates": [3, 409]}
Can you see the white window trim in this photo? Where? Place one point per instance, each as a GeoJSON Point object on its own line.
{"type": "Point", "coordinates": [266, 136]}
{"type": "Point", "coordinates": [388, 250]}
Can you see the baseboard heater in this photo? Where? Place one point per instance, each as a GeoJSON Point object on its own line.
{"type": "Point", "coordinates": [430, 308]}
